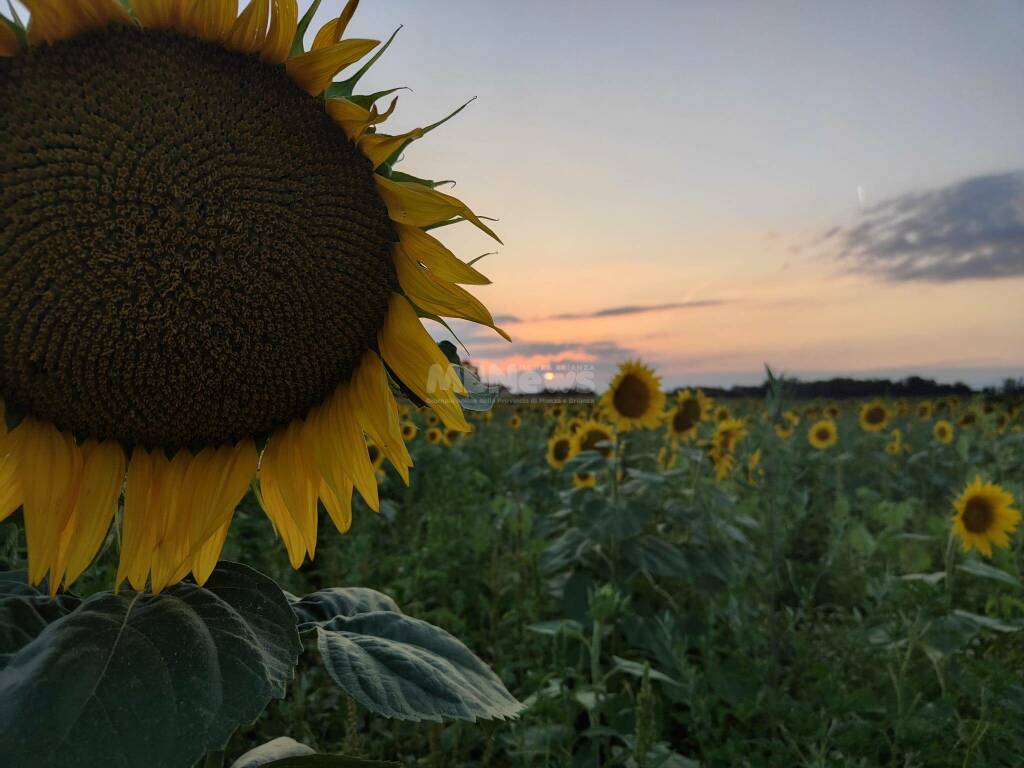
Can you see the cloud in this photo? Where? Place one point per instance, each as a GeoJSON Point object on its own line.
{"type": "Point", "coordinates": [638, 309]}
{"type": "Point", "coordinates": [973, 229]}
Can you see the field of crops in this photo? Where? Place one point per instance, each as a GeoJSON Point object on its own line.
{"type": "Point", "coordinates": [749, 583]}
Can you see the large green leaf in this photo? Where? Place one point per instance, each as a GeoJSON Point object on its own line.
{"type": "Point", "coordinates": [327, 604]}
{"type": "Point", "coordinates": [398, 666]}
{"type": "Point", "coordinates": [133, 679]}
{"type": "Point", "coordinates": [25, 612]}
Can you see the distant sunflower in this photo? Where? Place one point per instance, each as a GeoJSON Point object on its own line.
{"type": "Point", "coordinates": [784, 429]}
{"type": "Point", "coordinates": [634, 400]}
{"type": "Point", "coordinates": [207, 249]}
{"type": "Point", "coordinates": [690, 410]}
{"type": "Point", "coordinates": [925, 410]}
{"type": "Point", "coordinates": [984, 517]}
{"type": "Point", "coordinates": [409, 431]}
{"type": "Point", "coordinates": [823, 434]}
{"type": "Point", "coordinates": [832, 411]}
{"type": "Point", "coordinates": [895, 444]}
{"type": "Point", "coordinates": [943, 431]}
{"type": "Point", "coordinates": [584, 480]}
{"type": "Point", "coordinates": [435, 436]}
{"type": "Point", "coordinates": [755, 472]}
{"type": "Point", "coordinates": [432, 420]}
{"type": "Point", "coordinates": [560, 450]}
{"type": "Point", "coordinates": [728, 435]}
{"type": "Point", "coordinates": [722, 413]}
{"type": "Point", "coordinates": [874, 416]}
{"type": "Point", "coordinates": [594, 436]}
{"type": "Point", "coordinates": [516, 421]}
{"type": "Point", "coordinates": [968, 418]}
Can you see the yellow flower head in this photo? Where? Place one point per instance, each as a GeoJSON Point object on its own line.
{"type": "Point", "coordinates": [594, 436]}
{"type": "Point", "coordinates": [874, 416]}
{"type": "Point", "coordinates": [984, 517]}
{"type": "Point", "coordinates": [409, 431]}
{"type": "Point", "coordinates": [584, 480]}
{"type": "Point", "coordinates": [943, 432]}
{"type": "Point", "coordinates": [728, 435]}
{"type": "Point", "coordinates": [823, 434]}
{"type": "Point", "coordinates": [224, 254]}
{"type": "Point", "coordinates": [689, 411]}
{"type": "Point", "coordinates": [560, 450]}
{"type": "Point", "coordinates": [634, 400]}
{"type": "Point", "coordinates": [925, 410]}
{"type": "Point", "coordinates": [516, 421]}
{"type": "Point", "coordinates": [435, 436]}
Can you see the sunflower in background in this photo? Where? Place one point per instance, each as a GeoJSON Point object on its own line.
{"type": "Point", "coordinates": [584, 480]}
{"type": "Point", "coordinates": [435, 436]}
{"type": "Point", "coordinates": [409, 431]}
{"type": "Point", "coordinates": [727, 437]}
{"type": "Point", "coordinates": [594, 436]}
{"type": "Point", "coordinates": [874, 416]}
{"type": "Point", "coordinates": [895, 445]}
{"type": "Point", "coordinates": [634, 400]}
{"type": "Point", "coordinates": [925, 410]}
{"type": "Point", "coordinates": [722, 413]}
{"type": "Point", "coordinates": [968, 418]}
{"type": "Point", "coordinates": [213, 272]}
{"type": "Point", "coordinates": [690, 410]}
{"type": "Point", "coordinates": [516, 421]}
{"type": "Point", "coordinates": [755, 472]}
{"type": "Point", "coordinates": [984, 517]}
{"type": "Point", "coordinates": [560, 450]}
{"type": "Point", "coordinates": [943, 432]}
{"type": "Point", "coordinates": [823, 434]}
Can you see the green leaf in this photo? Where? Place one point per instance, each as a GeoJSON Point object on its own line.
{"type": "Point", "coordinates": [986, 571]}
{"type": "Point", "coordinates": [407, 669]}
{"type": "Point", "coordinates": [134, 678]}
{"type": "Point", "coordinates": [25, 612]}
{"type": "Point", "coordinates": [657, 557]}
{"type": "Point", "coordinates": [327, 604]}
{"type": "Point", "coordinates": [636, 669]}
{"type": "Point", "coordinates": [273, 751]}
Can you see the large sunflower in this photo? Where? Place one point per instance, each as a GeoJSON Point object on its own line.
{"type": "Point", "coordinates": [984, 516]}
{"type": "Point", "coordinates": [634, 400]}
{"type": "Point", "coordinates": [211, 272]}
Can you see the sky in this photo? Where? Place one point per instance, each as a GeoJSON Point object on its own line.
{"type": "Point", "coordinates": [827, 188]}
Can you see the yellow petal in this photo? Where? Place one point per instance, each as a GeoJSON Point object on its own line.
{"type": "Point", "coordinates": [141, 523]}
{"type": "Point", "coordinates": [378, 147]}
{"type": "Point", "coordinates": [420, 206]}
{"type": "Point", "coordinates": [378, 412]}
{"type": "Point", "coordinates": [354, 119]}
{"type": "Point", "coordinates": [49, 468]}
{"type": "Point", "coordinates": [102, 477]}
{"type": "Point", "coordinates": [206, 557]}
{"type": "Point", "coordinates": [338, 506]}
{"type": "Point", "coordinates": [289, 491]}
{"type": "Point", "coordinates": [233, 470]}
{"type": "Point", "coordinates": [212, 20]}
{"type": "Point", "coordinates": [8, 41]}
{"type": "Point", "coordinates": [284, 22]}
{"type": "Point", "coordinates": [416, 359]}
{"type": "Point", "coordinates": [332, 32]}
{"type": "Point", "coordinates": [314, 71]}
{"type": "Point", "coordinates": [10, 485]}
{"type": "Point", "coordinates": [432, 254]}
{"type": "Point", "coordinates": [340, 448]}
{"type": "Point", "coordinates": [171, 545]}
{"type": "Point", "coordinates": [439, 296]}
{"type": "Point", "coordinates": [249, 32]}
{"type": "Point", "coordinates": [158, 14]}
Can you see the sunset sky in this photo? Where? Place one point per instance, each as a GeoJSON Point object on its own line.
{"type": "Point", "coordinates": [829, 188]}
{"type": "Point", "coordinates": [689, 158]}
